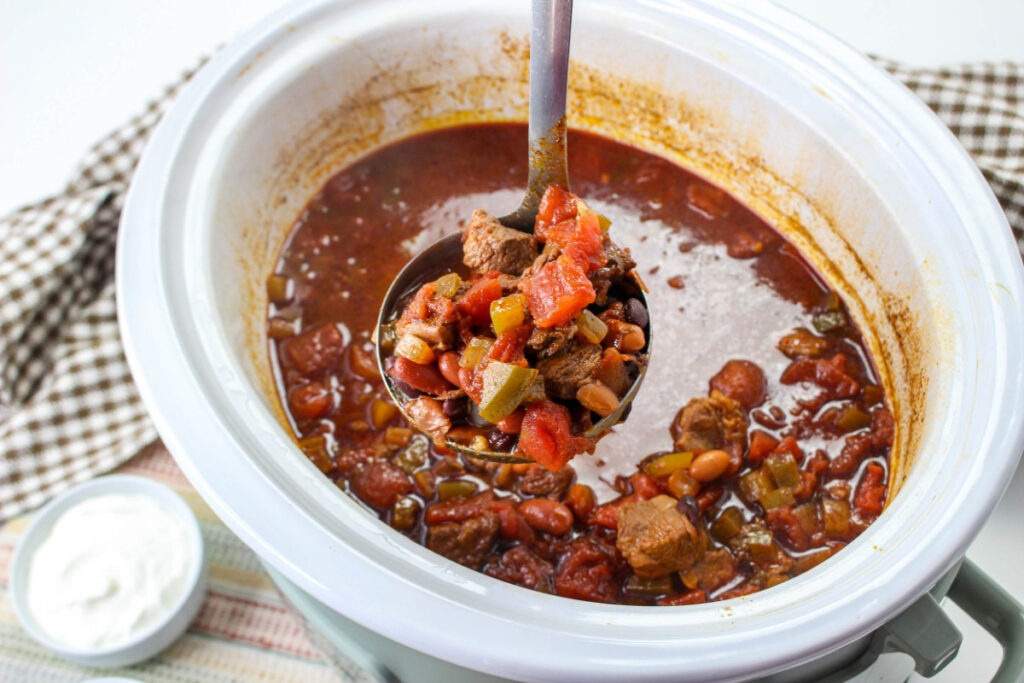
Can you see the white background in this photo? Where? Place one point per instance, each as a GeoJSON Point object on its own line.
{"type": "Point", "coordinates": [72, 70]}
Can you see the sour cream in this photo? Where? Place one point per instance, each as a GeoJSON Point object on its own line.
{"type": "Point", "coordinates": [111, 567]}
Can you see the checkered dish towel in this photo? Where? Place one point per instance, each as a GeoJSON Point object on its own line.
{"type": "Point", "coordinates": [68, 408]}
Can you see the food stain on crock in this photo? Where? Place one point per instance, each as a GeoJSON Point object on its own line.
{"type": "Point", "coordinates": [412, 99]}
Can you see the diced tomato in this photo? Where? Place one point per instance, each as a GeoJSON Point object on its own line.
{"type": "Point", "coordinates": [645, 486]}
{"type": "Point", "coordinates": [855, 449]}
{"type": "Point", "coordinates": [472, 382]}
{"type": "Point", "coordinates": [883, 427]}
{"type": "Point", "coordinates": [586, 247]}
{"type": "Point", "coordinates": [789, 445]}
{"type": "Point", "coordinates": [546, 435]}
{"type": "Point", "coordinates": [607, 515]}
{"type": "Point", "coordinates": [427, 305]}
{"type": "Point", "coordinates": [818, 462]}
{"type": "Point", "coordinates": [709, 495]}
{"type": "Point", "coordinates": [870, 491]}
{"type": "Point", "coordinates": [829, 374]}
{"type": "Point", "coordinates": [580, 240]}
{"type": "Point", "coordinates": [761, 445]}
{"type": "Point", "coordinates": [425, 378]}
{"type": "Point", "coordinates": [512, 423]}
{"type": "Point", "coordinates": [691, 597]}
{"type": "Point", "coordinates": [316, 349]}
{"type": "Point", "coordinates": [509, 346]}
{"type": "Point", "coordinates": [557, 293]}
{"type": "Point", "coordinates": [787, 528]}
{"type": "Point", "coordinates": [560, 233]}
{"type": "Point", "coordinates": [808, 482]}
{"type": "Point", "coordinates": [513, 525]}
{"type": "Point", "coordinates": [745, 588]}
{"type": "Point", "coordinates": [556, 206]}
{"type": "Point", "coordinates": [476, 303]}
{"type": "Point", "coordinates": [587, 572]}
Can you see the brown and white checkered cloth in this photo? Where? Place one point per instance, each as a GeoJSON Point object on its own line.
{"type": "Point", "coordinates": [68, 407]}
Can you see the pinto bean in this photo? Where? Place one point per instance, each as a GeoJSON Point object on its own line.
{"type": "Point", "coordinates": [448, 364]}
{"type": "Point", "coordinates": [581, 500]}
{"type": "Point", "coordinates": [709, 465]}
{"type": "Point", "coordinates": [633, 338]}
{"type": "Point", "coordinates": [598, 398]}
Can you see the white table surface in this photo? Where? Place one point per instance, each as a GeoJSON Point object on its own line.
{"type": "Point", "coordinates": [71, 70]}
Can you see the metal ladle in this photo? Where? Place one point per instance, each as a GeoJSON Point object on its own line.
{"type": "Point", "coordinates": [549, 68]}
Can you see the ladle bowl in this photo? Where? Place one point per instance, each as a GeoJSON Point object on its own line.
{"type": "Point", "coordinates": [549, 67]}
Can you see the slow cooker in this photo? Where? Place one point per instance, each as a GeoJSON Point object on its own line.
{"type": "Point", "coordinates": [836, 154]}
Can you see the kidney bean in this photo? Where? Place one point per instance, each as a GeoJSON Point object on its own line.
{"type": "Point", "coordinates": [425, 378]}
{"type": "Point", "coordinates": [547, 515]}
{"type": "Point", "coordinates": [448, 364]}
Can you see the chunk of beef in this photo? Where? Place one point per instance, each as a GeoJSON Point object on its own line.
{"type": "Point", "coordinates": [522, 566]}
{"type": "Point", "coordinates": [436, 333]}
{"type": "Point", "coordinates": [619, 263]}
{"type": "Point", "coordinates": [548, 341]}
{"type": "Point", "coordinates": [466, 542]}
{"type": "Point", "coordinates": [540, 481]}
{"type": "Point", "coordinates": [710, 423]}
{"type": "Point", "coordinates": [487, 245]}
{"type": "Point", "coordinates": [550, 252]}
{"type": "Point", "coordinates": [656, 538]}
{"type": "Point", "coordinates": [567, 371]}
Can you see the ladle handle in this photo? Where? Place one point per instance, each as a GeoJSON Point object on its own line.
{"type": "Point", "coordinates": [549, 76]}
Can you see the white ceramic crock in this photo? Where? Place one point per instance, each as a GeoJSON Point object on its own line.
{"type": "Point", "coordinates": [846, 161]}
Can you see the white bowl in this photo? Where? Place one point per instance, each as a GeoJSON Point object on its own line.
{"type": "Point", "coordinates": [837, 154]}
{"type": "Point", "coordinates": [155, 638]}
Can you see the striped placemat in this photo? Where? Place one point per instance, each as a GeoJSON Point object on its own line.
{"type": "Point", "coordinates": [244, 632]}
